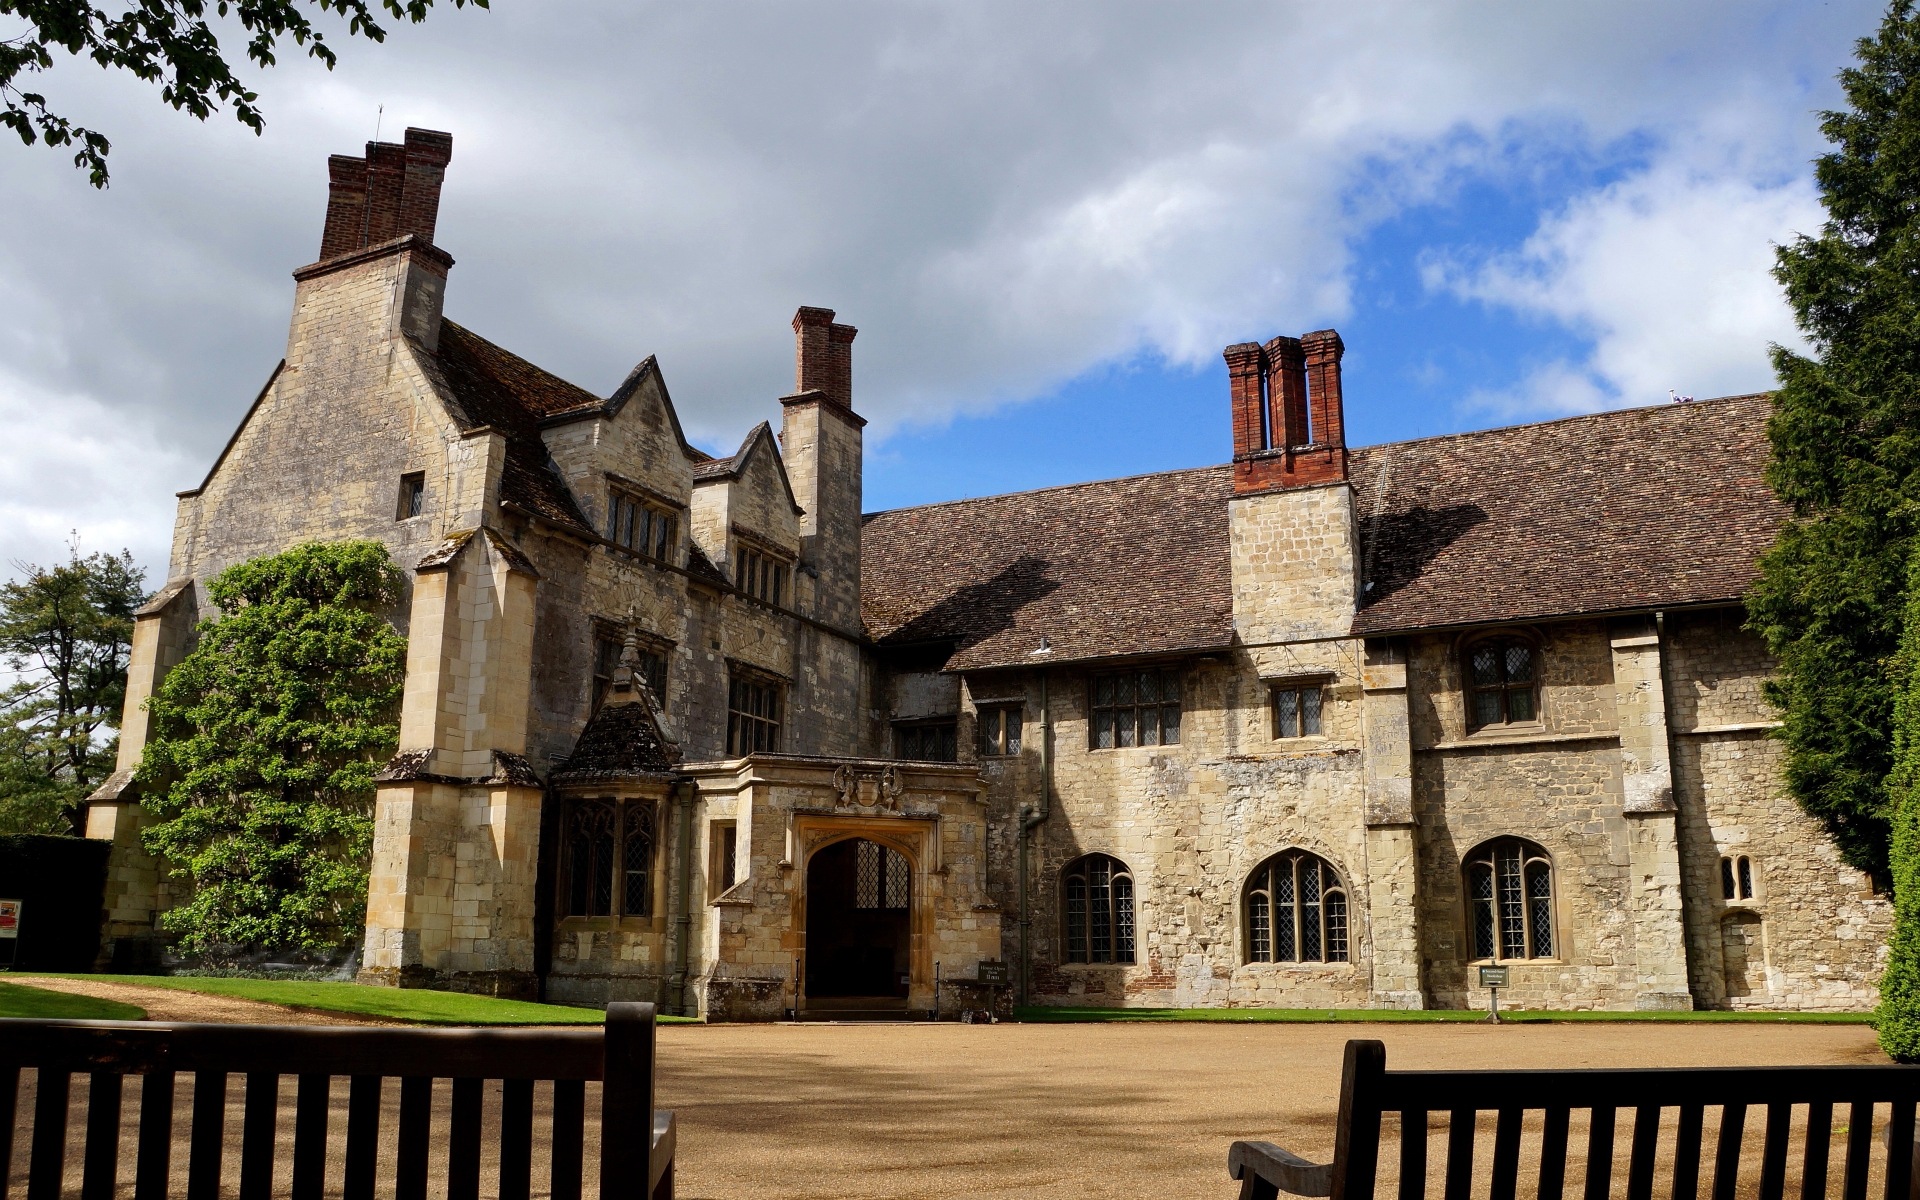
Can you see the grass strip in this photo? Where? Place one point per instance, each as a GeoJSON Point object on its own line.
{"type": "Point", "coordinates": [19, 1000]}
{"type": "Point", "coordinates": [1063, 1014]}
{"type": "Point", "coordinates": [417, 1005]}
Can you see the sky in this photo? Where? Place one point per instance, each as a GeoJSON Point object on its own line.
{"type": "Point", "coordinates": [1047, 221]}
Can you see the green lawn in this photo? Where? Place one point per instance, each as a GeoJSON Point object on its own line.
{"type": "Point", "coordinates": [17, 1000]}
{"type": "Point", "coordinates": [1044, 1013]}
{"type": "Point", "coordinates": [399, 1004]}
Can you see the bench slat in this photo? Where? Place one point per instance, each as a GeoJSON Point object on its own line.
{"type": "Point", "coordinates": [516, 1139]}
{"type": "Point", "coordinates": [1686, 1152]}
{"type": "Point", "coordinates": [1487, 1090]}
{"type": "Point", "coordinates": [1900, 1151]}
{"type": "Point", "coordinates": [102, 1155]}
{"type": "Point", "coordinates": [1506, 1153]}
{"type": "Point", "coordinates": [1813, 1166]}
{"type": "Point", "coordinates": [569, 1126]}
{"type": "Point", "coordinates": [49, 1162]}
{"type": "Point", "coordinates": [416, 1111]}
{"type": "Point", "coordinates": [1646, 1147]}
{"type": "Point", "coordinates": [259, 1116]}
{"type": "Point", "coordinates": [1460, 1154]}
{"type": "Point", "coordinates": [310, 1100]}
{"type": "Point", "coordinates": [1773, 1151]}
{"type": "Point", "coordinates": [208, 1136]}
{"type": "Point", "coordinates": [463, 1142]}
{"type": "Point", "coordinates": [153, 1158]}
{"type": "Point", "coordinates": [363, 1136]}
{"type": "Point", "coordinates": [1553, 1154]}
{"type": "Point", "coordinates": [1726, 1161]}
{"type": "Point", "coordinates": [1599, 1154]}
{"type": "Point", "coordinates": [1413, 1154]}
{"type": "Point", "coordinates": [1859, 1150]}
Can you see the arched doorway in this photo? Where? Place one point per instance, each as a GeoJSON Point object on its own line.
{"type": "Point", "coordinates": [859, 901]}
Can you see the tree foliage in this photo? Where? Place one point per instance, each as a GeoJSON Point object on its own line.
{"type": "Point", "coordinates": [65, 632]}
{"type": "Point", "coordinates": [263, 746]}
{"type": "Point", "coordinates": [1845, 440]}
{"type": "Point", "coordinates": [1898, 1017]}
{"type": "Point", "coordinates": [169, 41]}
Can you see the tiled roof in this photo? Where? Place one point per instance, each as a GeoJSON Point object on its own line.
{"type": "Point", "coordinates": [1633, 509]}
{"type": "Point", "coordinates": [713, 468]}
{"type": "Point", "coordinates": [620, 742]}
{"type": "Point", "coordinates": [496, 388]}
{"type": "Point", "coordinates": [1126, 566]}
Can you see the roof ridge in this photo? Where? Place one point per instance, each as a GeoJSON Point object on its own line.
{"type": "Point", "coordinates": [1057, 487]}
{"type": "Point", "coordinates": [1602, 415]}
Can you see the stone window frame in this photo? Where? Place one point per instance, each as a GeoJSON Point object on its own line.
{"type": "Point", "coordinates": [609, 638]}
{"type": "Point", "coordinates": [723, 856]}
{"type": "Point", "coordinates": [762, 569]}
{"type": "Point", "coordinates": [918, 728]}
{"type": "Point", "coordinates": [625, 502]}
{"type": "Point", "coordinates": [1533, 689]}
{"type": "Point", "coordinates": [1313, 683]}
{"type": "Point", "coordinates": [990, 727]}
{"type": "Point", "coordinates": [1122, 923]}
{"type": "Point", "coordinates": [1331, 922]}
{"type": "Point", "coordinates": [1534, 861]}
{"type": "Point", "coordinates": [628, 825]}
{"type": "Point", "coordinates": [1739, 882]}
{"type": "Point", "coordinates": [772, 692]}
{"type": "Point", "coordinates": [1163, 672]}
{"type": "Point", "coordinates": [412, 501]}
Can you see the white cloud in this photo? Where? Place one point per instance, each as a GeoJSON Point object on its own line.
{"type": "Point", "coordinates": [1666, 271]}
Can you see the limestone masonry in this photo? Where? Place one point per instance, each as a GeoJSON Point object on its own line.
{"type": "Point", "coordinates": [1326, 726]}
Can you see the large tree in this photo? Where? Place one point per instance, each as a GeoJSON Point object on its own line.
{"type": "Point", "coordinates": [263, 745]}
{"type": "Point", "coordinates": [1846, 451]}
{"type": "Point", "coordinates": [171, 42]}
{"type": "Point", "coordinates": [65, 632]}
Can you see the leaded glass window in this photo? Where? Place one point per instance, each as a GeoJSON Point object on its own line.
{"type": "Point", "coordinates": [642, 528]}
{"type": "Point", "coordinates": [609, 849]}
{"type": "Point", "coordinates": [1510, 900]}
{"type": "Point", "coordinates": [1099, 910]}
{"type": "Point", "coordinates": [882, 878]}
{"type": "Point", "coordinates": [926, 743]}
{"type": "Point", "coordinates": [1296, 711]}
{"type": "Point", "coordinates": [1139, 708]}
{"type": "Point", "coordinates": [1000, 732]}
{"type": "Point", "coordinates": [636, 886]}
{"type": "Point", "coordinates": [1736, 878]}
{"type": "Point", "coordinates": [1502, 679]}
{"type": "Point", "coordinates": [753, 716]}
{"type": "Point", "coordinates": [1296, 910]}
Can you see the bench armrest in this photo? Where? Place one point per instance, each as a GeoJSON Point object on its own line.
{"type": "Point", "coordinates": [1279, 1169]}
{"type": "Point", "coordinates": [660, 1161]}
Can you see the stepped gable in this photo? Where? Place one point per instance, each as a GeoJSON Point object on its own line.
{"type": "Point", "coordinates": [496, 388]}
{"type": "Point", "coordinates": [1120, 567]}
{"type": "Point", "coordinates": [1635, 509]}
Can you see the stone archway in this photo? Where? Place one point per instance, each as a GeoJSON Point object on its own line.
{"type": "Point", "coordinates": [859, 939]}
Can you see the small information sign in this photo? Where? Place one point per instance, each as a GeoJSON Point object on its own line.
{"type": "Point", "coordinates": [1493, 977]}
{"type": "Point", "coordinates": [10, 932]}
{"type": "Point", "coordinates": [992, 972]}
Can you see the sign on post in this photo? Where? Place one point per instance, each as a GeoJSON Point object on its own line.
{"type": "Point", "coordinates": [992, 972]}
{"type": "Point", "coordinates": [1493, 979]}
{"type": "Point", "coordinates": [10, 930]}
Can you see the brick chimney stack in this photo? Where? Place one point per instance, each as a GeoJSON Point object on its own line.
{"type": "Point", "coordinates": [821, 444]}
{"type": "Point", "coordinates": [392, 192]}
{"type": "Point", "coordinates": [823, 356]}
{"type": "Point", "coordinates": [1289, 425]}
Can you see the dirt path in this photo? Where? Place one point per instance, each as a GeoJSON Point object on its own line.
{"type": "Point", "coordinates": [171, 1004]}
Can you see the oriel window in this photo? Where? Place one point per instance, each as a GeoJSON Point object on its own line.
{"type": "Point", "coordinates": [1510, 900]}
{"type": "Point", "coordinates": [1503, 679]}
{"type": "Point", "coordinates": [753, 716]}
{"type": "Point", "coordinates": [1139, 708]}
{"type": "Point", "coordinates": [1099, 910]}
{"type": "Point", "coordinates": [1296, 910]}
{"type": "Point", "coordinates": [609, 850]}
{"type": "Point", "coordinates": [926, 743]}
{"type": "Point", "coordinates": [642, 528]}
{"type": "Point", "coordinates": [1000, 732]}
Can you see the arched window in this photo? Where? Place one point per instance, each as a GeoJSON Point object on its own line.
{"type": "Point", "coordinates": [1296, 910]}
{"type": "Point", "coordinates": [1736, 878]}
{"type": "Point", "coordinates": [1510, 900]}
{"type": "Point", "coordinates": [609, 858]}
{"type": "Point", "coordinates": [1099, 905]}
{"type": "Point", "coordinates": [1503, 679]}
{"type": "Point", "coordinates": [636, 897]}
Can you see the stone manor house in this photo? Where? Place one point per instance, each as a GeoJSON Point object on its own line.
{"type": "Point", "coordinates": [1324, 726]}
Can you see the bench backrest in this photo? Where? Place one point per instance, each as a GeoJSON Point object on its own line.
{"type": "Point", "coordinates": [621, 1056]}
{"type": "Point", "coordinates": [1368, 1090]}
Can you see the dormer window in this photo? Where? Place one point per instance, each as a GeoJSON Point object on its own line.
{"type": "Point", "coordinates": [642, 527]}
{"type": "Point", "coordinates": [762, 577]}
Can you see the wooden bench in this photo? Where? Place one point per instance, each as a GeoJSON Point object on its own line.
{"type": "Point", "coordinates": [1368, 1089]}
{"type": "Point", "coordinates": [636, 1143]}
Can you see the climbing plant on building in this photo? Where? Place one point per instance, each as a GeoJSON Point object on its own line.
{"type": "Point", "coordinates": [169, 42]}
{"type": "Point", "coordinates": [263, 747]}
{"type": "Point", "coordinates": [1898, 1017]}
{"type": "Point", "coordinates": [1845, 434]}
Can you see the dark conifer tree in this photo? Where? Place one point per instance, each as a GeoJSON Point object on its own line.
{"type": "Point", "coordinates": [1846, 452]}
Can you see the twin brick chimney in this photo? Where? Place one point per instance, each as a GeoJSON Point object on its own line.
{"type": "Point", "coordinates": [823, 355]}
{"type": "Point", "coordinates": [392, 192]}
{"type": "Point", "coordinates": [1289, 424]}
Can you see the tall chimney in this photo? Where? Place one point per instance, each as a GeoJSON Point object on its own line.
{"type": "Point", "coordinates": [821, 444]}
{"type": "Point", "coordinates": [1289, 425]}
{"type": "Point", "coordinates": [392, 192]}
